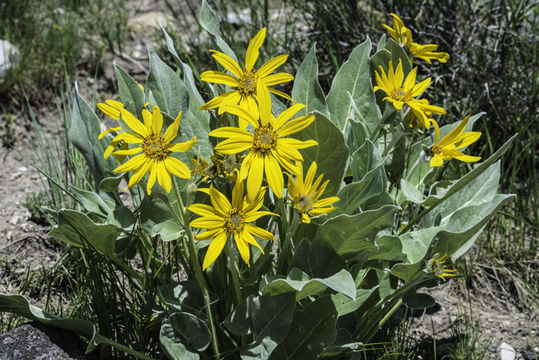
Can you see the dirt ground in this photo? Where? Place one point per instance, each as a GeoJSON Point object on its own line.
{"type": "Point", "coordinates": [494, 316]}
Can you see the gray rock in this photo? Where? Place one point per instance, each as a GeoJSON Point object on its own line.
{"type": "Point", "coordinates": [507, 352]}
{"type": "Point", "coordinates": [9, 57]}
{"type": "Point", "coordinates": [530, 354]}
{"type": "Point", "coordinates": [38, 342]}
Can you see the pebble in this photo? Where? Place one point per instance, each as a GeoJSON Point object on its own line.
{"type": "Point", "coordinates": [9, 57]}
{"type": "Point", "coordinates": [507, 352]}
{"type": "Point", "coordinates": [530, 354]}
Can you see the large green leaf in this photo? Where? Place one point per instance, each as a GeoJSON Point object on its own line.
{"type": "Point", "coordinates": [344, 305]}
{"type": "Point", "coordinates": [330, 155]}
{"type": "Point", "coordinates": [267, 318]}
{"type": "Point", "coordinates": [167, 88]}
{"type": "Point", "coordinates": [210, 22]}
{"type": "Point", "coordinates": [354, 78]}
{"type": "Point", "coordinates": [154, 211]}
{"type": "Point", "coordinates": [193, 330]}
{"type": "Point", "coordinates": [351, 233]}
{"type": "Point", "coordinates": [79, 230]}
{"type": "Point", "coordinates": [483, 188]}
{"type": "Point", "coordinates": [354, 195]}
{"type": "Point", "coordinates": [130, 92]}
{"type": "Point", "coordinates": [304, 285]}
{"type": "Point", "coordinates": [313, 328]}
{"type": "Point", "coordinates": [18, 304]}
{"type": "Point", "coordinates": [92, 202]}
{"type": "Point", "coordinates": [307, 89]}
{"type": "Point", "coordinates": [172, 343]}
{"type": "Point", "coordinates": [453, 239]}
{"type": "Point", "coordinates": [316, 260]}
{"type": "Point", "coordinates": [184, 296]}
{"type": "Point", "coordinates": [192, 125]}
{"type": "Point", "coordinates": [365, 159]}
{"type": "Point", "coordinates": [83, 132]}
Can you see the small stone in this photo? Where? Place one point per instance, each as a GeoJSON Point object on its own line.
{"type": "Point", "coordinates": [9, 57]}
{"type": "Point", "coordinates": [507, 352]}
{"type": "Point", "coordinates": [147, 23]}
{"type": "Point", "coordinates": [529, 354]}
{"type": "Point", "coordinates": [23, 169]}
{"type": "Point", "coordinates": [14, 220]}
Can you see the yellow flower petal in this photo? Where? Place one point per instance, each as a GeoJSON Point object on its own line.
{"type": "Point", "coordinates": [163, 176]}
{"type": "Point", "coordinates": [271, 65]}
{"type": "Point", "coordinates": [151, 180]}
{"type": "Point", "coordinates": [133, 123]}
{"type": "Point", "coordinates": [128, 152]}
{"type": "Point", "coordinates": [219, 202]}
{"type": "Point", "coordinates": [172, 130]}
{"type": "Point", "coordinates": [253, 49]}
{"type": "Point", "coordinates": [176, 167]}
{"type": "Point", "coordinates": [258, 232]}
{"type": "Point", "coordinates": [264, 103]}
{"type": "Point", "coordinates": [287, 115]}
{"type": "Point", "coordinates": [296, 125]}
{"type": "Point", "coordinates": [281, 94]}
{"type": "Point", "coordinates": [214, 250]}
{"type": "Point", "coordinates": [278, 78]}
{"type": "Point", "coordinates": [227, 62]}
{"type": "Point", "coordinates": [146, 166]}
{"type": "Point", "coordinates": [209, 234]}
{"type": "Point", "coordinates": [242, 112]}
{"type": "Point", "coordinates": [243, 248]}
{"type": "Point", "coordinates": [274, 175]}
{"type": "Point", "coordinates": [157, 120]}
{"type": "Point", "coordinates": [102, 134]}
{"type": "Point", "coordinates": [131, 164]}
{"type": "Point", "coordinates": [184, 146]}
{"type": "Point", "coordinates": [254, 180]}
{"type": "Point", "coordinates": [237, 194]}
{"type": "Point", "coordinates": [219, 78]}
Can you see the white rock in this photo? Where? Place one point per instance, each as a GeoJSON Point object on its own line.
{"type": "Point", "coordinates": [9, 57]}
{"type": "Point", "coordinates": [507, 352]}
{"type": "Point", "coordinates": [146, 24]}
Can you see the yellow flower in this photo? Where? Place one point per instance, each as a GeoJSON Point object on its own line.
{"type": "Point", "coordinates": [403, 36]}
{"type": "Point", "coordinates": [427, 52]}
{"type": "Point", "coordinates": [223, 219]}
{"type": "Point", "coordinates": [269, 148]}
{"type": "Point", "coordinates": [440, 269]}
{"type": "Point", "coordinates": [399, 32]}
{"type": "Point", "coordinates": [306, 195]}
{"type": "Point", "coordinates": [155, 149]}
{"type": "Point", "coordinates": [246, 80]}
{"type": "Point", "coordinates": [447, 148]}
{"type": "Point", "coordinates": [402, 92]}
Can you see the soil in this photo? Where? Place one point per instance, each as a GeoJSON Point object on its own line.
{"type": "Point", "coordinates": [479, 309]}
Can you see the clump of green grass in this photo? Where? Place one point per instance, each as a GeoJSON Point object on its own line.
{"type": "Point", "coordinates": [53, 36]}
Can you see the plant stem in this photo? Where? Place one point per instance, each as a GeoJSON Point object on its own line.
{"type": "Point", "coordinates": [195, 264]}
{"type": "Point", "coordinates": [235, 272]}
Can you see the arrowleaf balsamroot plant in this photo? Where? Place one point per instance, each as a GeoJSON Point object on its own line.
{"type": "Point", "coordinates": [335, 250]}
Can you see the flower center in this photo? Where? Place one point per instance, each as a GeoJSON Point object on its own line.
{"type": "Point", "coordinates": [247, 84]}
{"type": "Point", "coordinates": [436, 149]}
{"type": "Point", "coordinates": [155, 147]}
{"type": "Point", "coordinates": [229, 163]}
{"type": "Point", "coordinates": [400, 94]}
{"type": "Point", "coordinates": [234, 222]}
{"type": "Point", "coordinates": [264, 139]}
{"type": "Point", "coordinates": [304, 203]}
